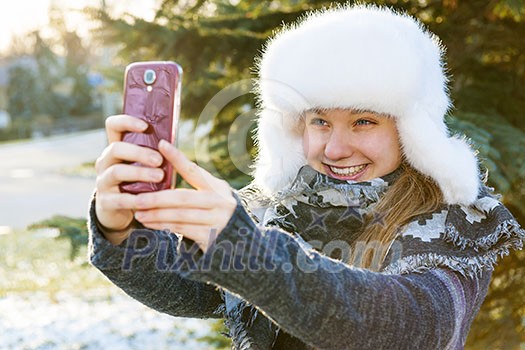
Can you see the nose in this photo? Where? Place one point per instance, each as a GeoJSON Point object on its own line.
{"type": "Point", "coordinates": [338, 145]}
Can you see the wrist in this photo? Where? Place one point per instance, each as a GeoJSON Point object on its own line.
{"type": "Point", "coordinates": [116, 236]}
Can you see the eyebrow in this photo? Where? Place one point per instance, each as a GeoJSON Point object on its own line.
{"type": "Point", "coordinates": [317, 110]}
{"type": "Point", "coordinates": [323, 111]}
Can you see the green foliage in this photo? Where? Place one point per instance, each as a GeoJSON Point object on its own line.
{"type": "Point", "coordinates": [73, 230]}
{"type": "Point", "coordinates": [32, 262]}
{"type": "Point", "coordinates": [43, 84]}
{"type": "Point", "coordinates": [22, 93]}
{"type": "Point", "coordinates": [81, 94]}
{"type": "Point", "coordinates": [18, 129]}
{"type": "Point", "coordinates": [500, 146]}
{"type": "Point", "coordinates": [217, 338]}
{"type": "Point", "coordinates": [76, 68]}
{"type": "Point", "coordinates": [215, 47]}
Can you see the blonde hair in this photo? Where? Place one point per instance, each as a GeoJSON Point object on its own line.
{"type": "Point", "coordinates": [412, 194]}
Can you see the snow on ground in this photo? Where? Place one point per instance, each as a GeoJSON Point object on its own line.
{"type": "Point", "coordinates": [95, 320]}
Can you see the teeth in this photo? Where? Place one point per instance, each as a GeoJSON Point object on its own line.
{"type": "Point", "coordinates": [348, 171]}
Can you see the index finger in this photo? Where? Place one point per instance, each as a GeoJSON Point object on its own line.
{"type": "Point", "coordinates": [116, 125]}
{"type": "Point", "coordinates": [196, 176]}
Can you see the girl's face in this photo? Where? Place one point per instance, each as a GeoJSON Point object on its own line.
{"type": "Point", "coordinates": [351, 146]}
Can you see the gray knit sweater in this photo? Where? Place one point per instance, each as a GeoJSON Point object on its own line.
{"type": "Point", "coordinates": [313, 301]}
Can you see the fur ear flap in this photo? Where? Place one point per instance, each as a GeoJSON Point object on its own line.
{"type": "Point", "coordinates": [281, 152]}
{"type": "Point", "coordinates": [448, 160]}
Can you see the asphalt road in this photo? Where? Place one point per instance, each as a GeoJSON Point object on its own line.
{"type": "Point", "coordinates": [36, 180]}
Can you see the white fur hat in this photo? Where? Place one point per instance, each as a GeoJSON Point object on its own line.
{"type": "Point", "coordinates": [366, 58]}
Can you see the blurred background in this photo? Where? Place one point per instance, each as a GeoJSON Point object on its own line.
{"type": "Point", "coordinates": [61, 73]}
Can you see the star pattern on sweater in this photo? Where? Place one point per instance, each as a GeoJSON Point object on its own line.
{"type": "Point", "coordinates": [351, 211]}
{"type": "Point", "coordinates": [378, 219]}
{"type": "Point", "coordinates": [318, 220]}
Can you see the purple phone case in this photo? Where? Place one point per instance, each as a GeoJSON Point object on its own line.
{"type": "Point", "coordinates": [158, 103]}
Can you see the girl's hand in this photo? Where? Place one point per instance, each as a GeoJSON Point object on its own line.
{"type": "Point", "coordinates": [114, 209]}
{"type": "Point", "coordinates": [199, 214]}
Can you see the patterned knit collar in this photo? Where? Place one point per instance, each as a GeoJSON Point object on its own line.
{"type": "Point", "coordinates": [309, 181]}
{"type": "Point", "coordinates": [467, 239]}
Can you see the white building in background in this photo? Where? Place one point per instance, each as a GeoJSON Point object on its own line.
{"type": "Point", "coordinates": [5, 119]}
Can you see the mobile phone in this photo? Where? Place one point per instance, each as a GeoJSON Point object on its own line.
{"type": "Point", "coordinates": [152, 92]}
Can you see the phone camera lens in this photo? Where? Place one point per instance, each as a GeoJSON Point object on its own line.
{"type": "Point", "coordinates": [149, 76]}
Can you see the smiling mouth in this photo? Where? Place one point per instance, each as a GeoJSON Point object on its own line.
{"type": "Point", "coordinates": [348, 171]}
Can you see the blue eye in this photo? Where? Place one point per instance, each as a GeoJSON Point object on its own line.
{"type": "Point", "coordinates": [318, 122]}
{"type": "Point", "coordinates": [363, 122]}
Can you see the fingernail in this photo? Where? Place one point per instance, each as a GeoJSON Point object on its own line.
{"type": "Point", "coordinates": [139, 215]}
{"type": "Point", "coordinates": [155, 159]}
{"type": "Point", "coordinates": [163, 143]}
{"type": "Point", "coordinates": [141, 125]}
{"type": "Point", "coordinates": [157, 174]}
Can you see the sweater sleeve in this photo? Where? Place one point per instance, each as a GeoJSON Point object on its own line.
{"type": "Point", "coordinates": [331, 305]}
{"type": "Point", "coordinates": [142, 267]}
